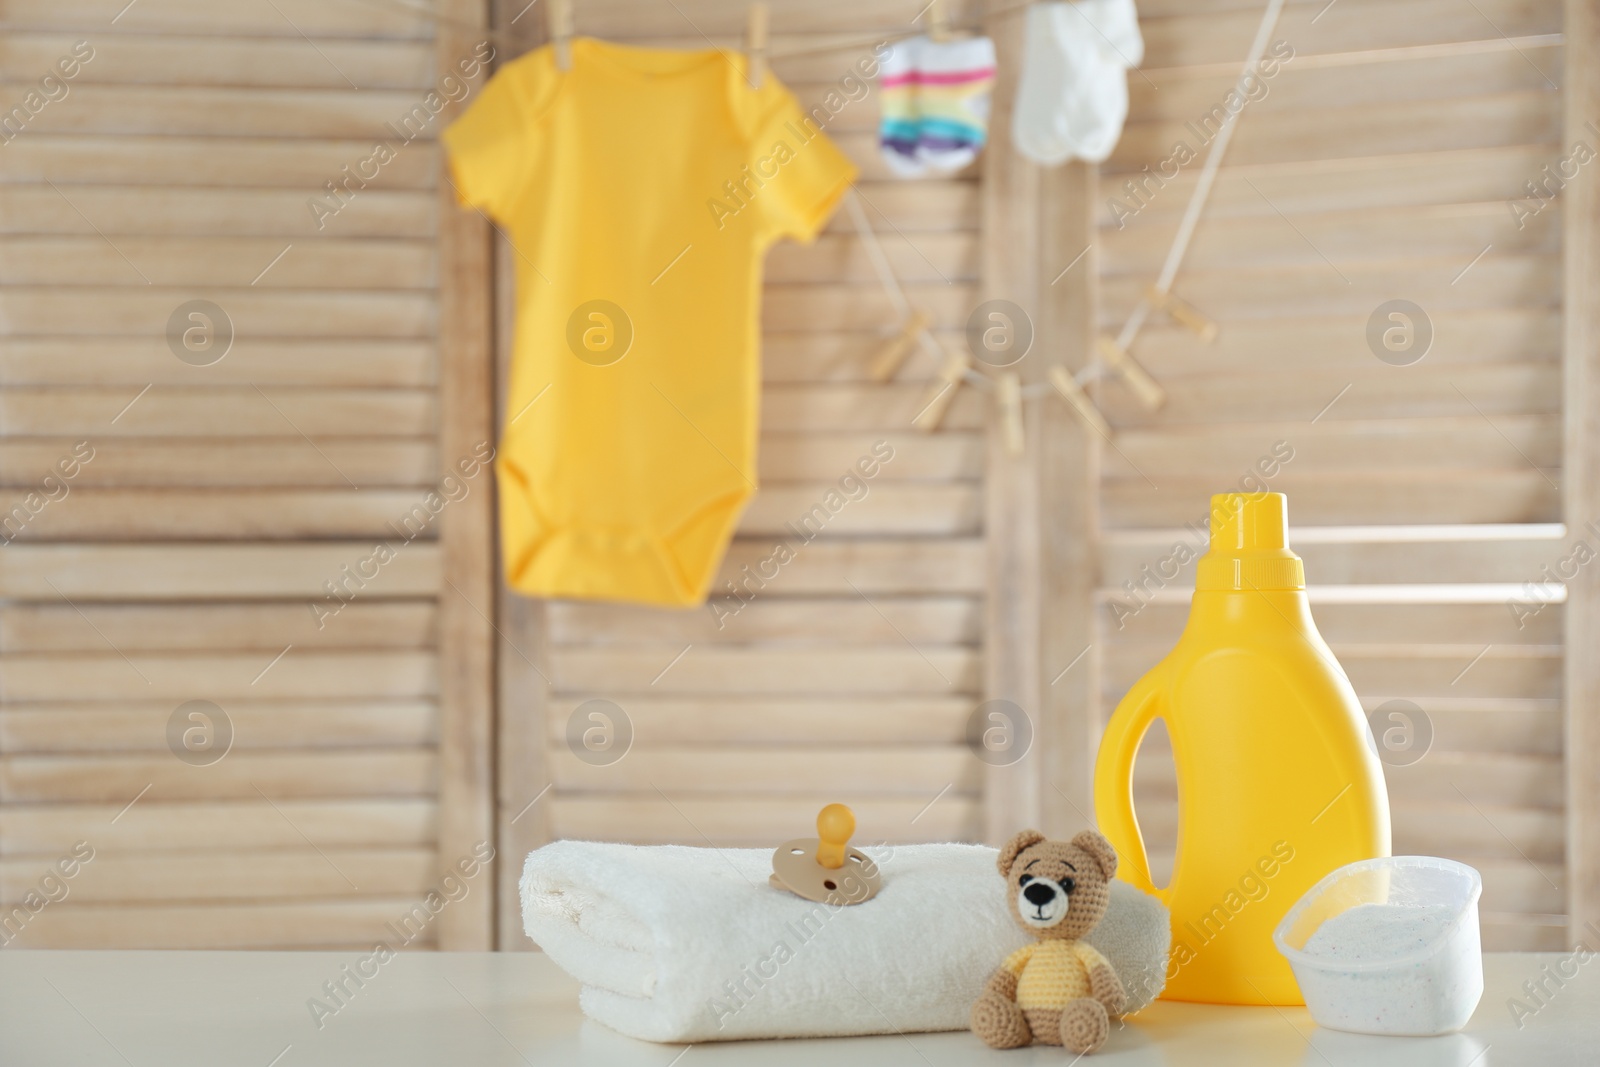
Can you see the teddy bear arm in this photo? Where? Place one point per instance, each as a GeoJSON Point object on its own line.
{"type": "Point", "coordinates": [1106, 987]}
{"type": "Point", "coordinates": [1003, 983]}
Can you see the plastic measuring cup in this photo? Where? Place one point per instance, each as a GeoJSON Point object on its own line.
{"type": "Point", "coordinates": [1388, 946]}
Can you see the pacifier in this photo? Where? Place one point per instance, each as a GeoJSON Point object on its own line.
{"type": "Point", "coordinates": [825, 868]}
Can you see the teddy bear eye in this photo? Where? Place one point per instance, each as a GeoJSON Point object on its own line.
{"type": "Point", "coordinates": [1068, 885]}
{"type": "Point", "coordinates": [1025, 879]}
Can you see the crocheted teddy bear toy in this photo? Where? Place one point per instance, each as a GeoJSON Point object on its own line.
{"type": "Point", "coordinates": [1058, 990]}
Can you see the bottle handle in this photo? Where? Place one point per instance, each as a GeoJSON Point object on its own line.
{"type": "Point", "coordinates": [1113, 778]}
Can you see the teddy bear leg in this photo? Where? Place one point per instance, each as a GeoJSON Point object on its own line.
{"type": "Point", "coordinates": [999, 1023]}
{"type": "Point", "coordinates": [1045, 1024]}
{"type": "Point", "coordinates": [1084, 1025]}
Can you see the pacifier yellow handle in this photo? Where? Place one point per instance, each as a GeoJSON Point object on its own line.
{"type": "Point", "coordinates": [835, 824]}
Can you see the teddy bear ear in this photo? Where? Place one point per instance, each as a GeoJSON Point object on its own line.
{"type": "Point", "coordinates": [1014, 847]}
{"type": "Point", "coordinates": [1096, 845]}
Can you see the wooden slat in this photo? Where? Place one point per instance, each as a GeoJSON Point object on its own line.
{"type": "Point", "coordinates": [212, 876]}
{"type": "Point", "coordinates": [236, 262]}
{"type": "Point", "coordinates": [914, 207]}
{"type": "Point", "coordinates": [1331, 446]}
{"type": "Point", "coordinates": [1395, 625]}
{"type": "Point", "coordinates": [1360, 25]}
{"type": "Point", "coordinates": [62, 627]}
{"type": "Point", "coordinates": [40, 728]}
{"type": "Point", "coordinates": [1490, 781]}
{"type": "Point", "coordinates": [1506, 671]}
{"type": "Point", "coordinates": [934, 257]}
{"type": "Point", "coordinates": [832, 356]}
{"type": "Point", "coordinates": [1514, 118]}
{"type": "Point", "coordinates": [467, 549]}
{"type": "Point", "coordinates": [1462, 336]}
{"type": "Point", "coordinates": [175, 211]}
{"type": "Point", "coordinates": [890, 508]}
{"type": "Point", "coordinates": [922, 771]}
{"type": "Point", "coordinates": [1525, 726]}
{"type": "Point", "coordinates": [868, 566]}
{"type": "Point", "coordinates": [948, 456]}
{"type": "Point", "coordinates": [1490, 495]}
{"type": "Point", "coordinates": [254, 111]}
{"type": "Point", "coordinates": [1581, 482]}
{"type": "Point", "coordinates": [1447, 828]}
{"type": "Point", "coordinates": [1459, 176]}
{"type": "Point", "coordinates": [291, 165]}
{"type": "Point", "coordinates": [28, 310]}
{"type": "Point", "coordinates": [377, 463]}
{"type": "Point", "coordinates": [934, 720]}
{"type": "Point", "coordinates": [1498, 389]}
{"type": "Point", "coordinates": [161, 825]}
{"type": "Point", "coordinates": [522, 788]}
{"type": "Point", "coordinates": [931, 669]}
{"type": "Point", "coordinates": [141, 361]}
{"type": "Point", "coordinates": [224, 462]}
{"type": "Point", "coordinates": [222, 926]}
{"type": "Point", "coordinates": [1186, 94]}
{"type": "Point", "coordinates": [726, 18]}
{"type": "Point", "coordinates": [237, 776]}
{"type": "Point", "coordinates": [205, 572]}
{"type": "Point", "coordinates": [152, 515]}
{"type": "Point", "coordinates": [1358, 563]}
{"type": "Point", "coordinates": [302, 672]}
{"type": "Point", "coordinates": [1496, 281]}
{"type": "Point", "coordinates": [210, 412]}
{"type": "Point", "coordinates": [944, 620]}
{"type": "Point", "coordinates": [296, 19]}
{"type": "Point", "coordinates": [790, 408]}
{"type": "Point", "coordinates": [169, 59]}
{"type": "Point", "coordinates": [793, 307]}
{"type": "Point", "coordinates": [1406, 232]}
{"type": "Point", "coordinates": [757, 821]}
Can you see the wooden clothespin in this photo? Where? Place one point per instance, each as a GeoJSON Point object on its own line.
{"type": "Point", "coordinates": [559, 26]}
{"type": "Point", "coordinates": [1184, 313]}
{"type": "Point", "coordinates": [954, 371]}
{"type": "Point", "coordinates": [1074, 395]}
{"type": "Point", "coordinates": [1146, 388]}
{"type": "Point", "coordinates": [1008, 390]}
{"type": "Point", "coordinates": [938, 21]}
{"type": "Point", "coordinates": [756, 44]}
{"type": "Point", "coordinates": [889, 358]}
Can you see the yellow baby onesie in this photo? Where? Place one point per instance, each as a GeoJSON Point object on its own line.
{"type": "Point", "coordinates": [1052, 974]}
{"type": "Point", "coordinates": [640, 190]}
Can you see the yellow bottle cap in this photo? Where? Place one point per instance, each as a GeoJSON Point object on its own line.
{"type": "Point", "coordinates": [1250, 545]}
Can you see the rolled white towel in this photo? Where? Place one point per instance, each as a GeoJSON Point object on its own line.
{"type": "Point", "coordinates": [691, 944]}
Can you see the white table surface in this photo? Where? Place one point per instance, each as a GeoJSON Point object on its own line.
{"type": "Point", "coordinates": [248, 1009]}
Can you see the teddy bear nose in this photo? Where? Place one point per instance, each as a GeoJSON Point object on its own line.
{"type": "Point", "coordinates": [1039, 894]}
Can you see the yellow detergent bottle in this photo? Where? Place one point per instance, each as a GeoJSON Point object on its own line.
{"type": "Point", "coordinates": [1278, 781]}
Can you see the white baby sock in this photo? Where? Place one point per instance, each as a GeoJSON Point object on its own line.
{"type": "Point", "coordinates": [1073, 96]}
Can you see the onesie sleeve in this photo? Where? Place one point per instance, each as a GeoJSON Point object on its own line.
{"type": "Point", "coordinates": [805, 173]}
{"type": "Point", "coordinates": [488, 146]}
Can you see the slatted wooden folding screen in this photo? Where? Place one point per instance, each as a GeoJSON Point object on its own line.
{"type": "Point", "coordinates": [198, 530]}
{"type": "Point", "coordinates": [1388, 156]}
{"type": "Point", "coordinates": [242, 662]}
{"type": "Point", "coordinates": [847, 672]}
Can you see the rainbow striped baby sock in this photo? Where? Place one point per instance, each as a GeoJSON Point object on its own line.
{"type": "Point", "coordinates": [935, 100]}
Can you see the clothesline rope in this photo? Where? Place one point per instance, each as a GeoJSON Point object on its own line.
{"type": "Point", "coordinates": [1202, 188]}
